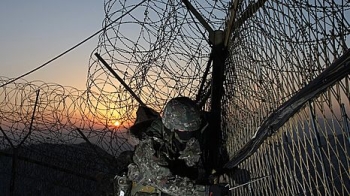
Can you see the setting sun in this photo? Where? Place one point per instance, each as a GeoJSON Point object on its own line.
{"type": "Point", "coordinates": [117, 123]}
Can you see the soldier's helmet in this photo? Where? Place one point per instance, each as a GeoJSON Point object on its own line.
{"type": "Point", "coordinates": [181, 113]}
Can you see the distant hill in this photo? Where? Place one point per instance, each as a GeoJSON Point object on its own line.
{"type": "Point", "coordinates": [58, 169]}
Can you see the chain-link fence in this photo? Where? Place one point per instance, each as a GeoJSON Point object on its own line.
{"type": "Point", "coordinates": [274, 54]}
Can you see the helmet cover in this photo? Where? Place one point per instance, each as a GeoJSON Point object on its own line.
{"type": "Point", "coordinates": [181, 113]}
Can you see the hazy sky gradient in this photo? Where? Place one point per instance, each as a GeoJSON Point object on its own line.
{"type": "Point", "coordinates": [32, 32]}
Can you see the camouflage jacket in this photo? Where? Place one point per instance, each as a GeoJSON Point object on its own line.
{"type": "Point", "coordinates": [173, 145]}
{"type": "Point", "coordinates": [167, 162]}
{"type": "Point", "coordinates": [146, 170]}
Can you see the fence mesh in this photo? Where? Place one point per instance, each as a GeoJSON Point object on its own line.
{"type": "Point", "coordinates": [274, 53]}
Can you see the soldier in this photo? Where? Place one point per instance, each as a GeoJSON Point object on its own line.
{"type": "Point", "coordinates": [170, 156]}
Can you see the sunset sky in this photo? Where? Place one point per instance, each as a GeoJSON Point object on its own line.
{"type": "Point", "coordinates": [33, 32]}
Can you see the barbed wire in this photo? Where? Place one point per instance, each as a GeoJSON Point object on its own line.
{"type": "Point", "coordinates": [160, 52]}
{"type": "Point", "coordinates": [60, 111]}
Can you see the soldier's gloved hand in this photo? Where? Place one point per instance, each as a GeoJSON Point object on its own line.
{"type": "Point", "coordinates": [192, 153]}
{"type": "Point", "coordinates": [218, 190]}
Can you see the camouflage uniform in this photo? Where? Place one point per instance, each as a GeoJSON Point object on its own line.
{"type": "Point", "coordinates": [146, 170]}
{"type": "Point", "coordinates": [170, 160]}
